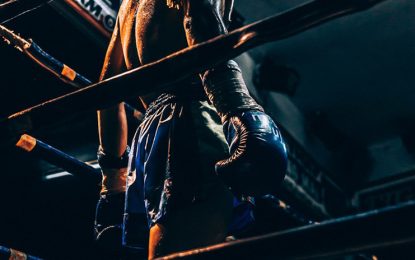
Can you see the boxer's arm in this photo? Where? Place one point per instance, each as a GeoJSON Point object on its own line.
{"type": "Point", "coordinates": [112, 122]}
{"type": "Point", "coordinates": [258, 155]}
{"type": "Point", "coordinates": [112, 130]}
{"type": "Point", "coordinates": [204, 19]}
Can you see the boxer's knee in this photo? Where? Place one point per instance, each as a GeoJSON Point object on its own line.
{"type": "Point", "coordinates": [204, 223]}
{"type": "Point", "coordinates": [155, 244]}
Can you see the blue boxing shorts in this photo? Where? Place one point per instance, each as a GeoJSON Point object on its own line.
{"type": "Point", "coordinates": [173, 155]}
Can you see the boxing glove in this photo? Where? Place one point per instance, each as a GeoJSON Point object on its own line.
{"type": "Point", "coordinates": [258, 159]}
{"type": "Point", "coordinates": [108, 222]}
{"type": "Point", "coordinates": [110, 207]}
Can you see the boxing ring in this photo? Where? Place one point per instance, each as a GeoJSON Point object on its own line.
{"type": "Point", "coordinates": [334, 237]}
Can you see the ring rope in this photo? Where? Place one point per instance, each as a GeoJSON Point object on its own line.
{"type": "Point", "coordinates": [49, 63]}
{"type": "Point", "coordinates": [9, 4]}
{"type": "Point", "coordinates": [367, 231]}
{"type": "Point", "coordinates": [11, 253]}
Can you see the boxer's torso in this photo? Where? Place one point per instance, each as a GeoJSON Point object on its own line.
{"type": "Point", "coordinates": [149, 30]}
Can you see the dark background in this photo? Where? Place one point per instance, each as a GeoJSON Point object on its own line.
{"type": "Point", "coordinates": [345, 96]}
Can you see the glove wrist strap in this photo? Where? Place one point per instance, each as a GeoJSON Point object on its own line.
{"type": "Point", "coordinates": [227, 90]}
{"type": "Point", "coordinates": [114, 171]}
{"type": "Point", "coordinates": [112, 162]}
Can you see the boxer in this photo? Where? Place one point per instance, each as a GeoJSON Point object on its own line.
{"type": "Point", "coordinates": [182, 166]}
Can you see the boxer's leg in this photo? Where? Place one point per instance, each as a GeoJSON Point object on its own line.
{"type": "Point", "coordinates": [201, 224]}
{"type": "Point", "coordinates": [186, 207]}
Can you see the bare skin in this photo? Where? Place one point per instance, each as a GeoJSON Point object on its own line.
{"type": "Point", "coordinates": [148, 30]}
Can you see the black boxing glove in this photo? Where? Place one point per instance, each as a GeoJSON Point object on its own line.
{"type": "Point", "coordinates": [110, 207]}
{"type": "Point", "coordinates": [258, 160]}
{"type": "Point", "coordinates": [108, 223]}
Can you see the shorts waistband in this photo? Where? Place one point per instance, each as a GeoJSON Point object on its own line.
{"type": "Point", "coordinates": [162, 100]}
